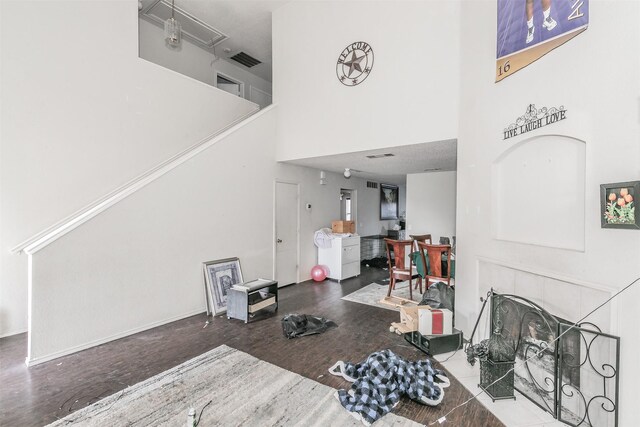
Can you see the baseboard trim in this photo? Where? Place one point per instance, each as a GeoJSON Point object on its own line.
{"type": "Point", "coordinates": [12, 333]}
{"type": "Point", "coordinates": [42, 359]}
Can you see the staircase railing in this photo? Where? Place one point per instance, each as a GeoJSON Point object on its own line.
{"type": "Point", "coordinates": [45, 237]}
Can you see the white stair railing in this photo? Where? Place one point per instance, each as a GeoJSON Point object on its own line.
{"type": "Point", "coordinates": [83, 215]}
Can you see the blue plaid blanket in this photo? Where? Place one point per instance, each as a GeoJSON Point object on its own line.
{"type": "Point", "coordinates": [382, 378]}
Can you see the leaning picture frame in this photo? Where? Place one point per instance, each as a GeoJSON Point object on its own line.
{"type": "Point", "coordinates": [219, 276]}
{"type": "Point", "coordinates": [617, 205]}
{"type": "Point", "coordinates": [388, 201]}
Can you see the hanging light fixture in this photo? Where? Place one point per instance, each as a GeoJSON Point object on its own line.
{"type": "Point", "coordinates": [172, 29]}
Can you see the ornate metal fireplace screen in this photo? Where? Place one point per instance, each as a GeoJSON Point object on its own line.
{"type": "Point", "coordinates": [574, 378]}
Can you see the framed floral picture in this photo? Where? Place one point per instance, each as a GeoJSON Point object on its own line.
{"type": "Point", "coordinates": [618, 205]}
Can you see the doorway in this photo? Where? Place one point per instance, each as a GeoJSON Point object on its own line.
{"type": "Point", "coordinates": [287, 215]}
{"type": "Point", "coordinates": [348, 205]}
{"type": "Point", "coordinates": [229, 84]}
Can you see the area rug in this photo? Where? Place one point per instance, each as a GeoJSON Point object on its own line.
{"type": "Point", "coordinates": [373, 293]}
{"type": "Point", "coordinates": [245, 391]}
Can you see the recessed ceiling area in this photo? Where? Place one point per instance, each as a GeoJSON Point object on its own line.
{"type": "Point", "coordinates": [246, 25]}
{"type": "Point", "coordinates": [417, 158]}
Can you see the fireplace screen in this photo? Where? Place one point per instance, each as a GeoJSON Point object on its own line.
{"type": "Point", "coordinates": [595, 401]}
{"type": "Point", "coordinates": [556, 375]}
{"type": "Point", "coordinates": [532, 331]}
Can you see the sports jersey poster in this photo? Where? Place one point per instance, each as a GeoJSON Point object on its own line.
{"type": "Point", "coordinates": [528, 29]}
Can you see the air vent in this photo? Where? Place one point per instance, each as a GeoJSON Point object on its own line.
{"type": "Point", "coordinates": [432, 170]}
{"type": "Point", "coordinates": [246, 60]}
{"type": "Point", "coordinates": [379, 156]}
{"type": "Point", "coordinates": [371, 184]}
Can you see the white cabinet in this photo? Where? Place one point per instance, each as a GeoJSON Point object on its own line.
{"type": "Point", "coordinates": [342, 258]}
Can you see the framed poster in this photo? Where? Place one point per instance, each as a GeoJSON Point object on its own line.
{"type": "Point", "coordinates": [529, 29]}
{"type": "Point", "coordinates": [388, 201]}
{"type": "Point", "coordinates": [219, 276]}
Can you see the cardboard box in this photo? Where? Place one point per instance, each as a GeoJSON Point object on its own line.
{"type": "Point", "coordinates": [409, 316]}
{"type": "Point", "coordinates": [343, 227]}
{"type": "Point", "coordinates": [435, 322]}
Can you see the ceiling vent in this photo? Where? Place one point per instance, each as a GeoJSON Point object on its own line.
{"type": "Point", "coordinates": [432, 169]}
{"type": "Point", "coordinates": [193, 29]}
{"type": "Point", "coordinates": [246, 60]}
{"type": "Point", "coordinates": [371, 184]}
{"type": "Point", "coordinates": [379, 156]}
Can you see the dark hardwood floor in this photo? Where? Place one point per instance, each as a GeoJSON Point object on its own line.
{"type": "Point", "coordinates": [39, 395]}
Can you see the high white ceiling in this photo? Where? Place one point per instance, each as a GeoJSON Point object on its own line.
{"type": "Point", "coordinates": [247, 23]}
{"type": "Point", "coordinates": [417, 158]}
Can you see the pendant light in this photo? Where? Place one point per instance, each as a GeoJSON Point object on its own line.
{"type": "Point", "coordinates": [172, 29]}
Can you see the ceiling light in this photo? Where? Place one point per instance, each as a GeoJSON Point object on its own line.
{"type": "Point", "coordinates": [172, 29]}
{"type": "Point", "coordinates": [347, 173]}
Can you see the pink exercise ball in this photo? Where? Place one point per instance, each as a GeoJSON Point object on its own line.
{"type": "Point", "coordinates": [318, 274]}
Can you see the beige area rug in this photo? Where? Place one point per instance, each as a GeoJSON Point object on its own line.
{"type": "Point", "coordinates": [245, 391]}
{"type": "Point", "coordinates": [373, 293]}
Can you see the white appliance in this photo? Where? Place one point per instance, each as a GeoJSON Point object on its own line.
{"type": "Point", "coordinates": [342, 258]}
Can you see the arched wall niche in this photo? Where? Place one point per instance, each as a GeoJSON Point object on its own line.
{"type": "Point", "coordinates": [538, 192]}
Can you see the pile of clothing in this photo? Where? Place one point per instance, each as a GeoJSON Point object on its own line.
{"type": "Point", "coordinates": [300, 325]}
{"type": "Point", "coordinates": [382, 379]}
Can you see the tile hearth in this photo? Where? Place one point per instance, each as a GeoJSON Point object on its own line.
{"type": "Point", "coordinates": [513, 413]}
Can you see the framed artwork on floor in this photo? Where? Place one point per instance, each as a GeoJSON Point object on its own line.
{"type": "Point", "coordinates": [219, 276]}
{"type": "Point", "coordinates": [618, 205]}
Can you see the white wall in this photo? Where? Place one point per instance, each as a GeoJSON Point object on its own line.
{"type": "Point", "coordinates": [602, 110]}
{"type": "Point", "coordinates": [411, 95]}
{"type": "Point", "coordinates": [431, 204]}
{"type": "Point", "coordinates": [325, 207]}
{"type": "Point", "coordinates": [192, 60]}
{"type": "Point", "coordinates": [138, 264]}
{"type": "Point", "coordinates": [368, 206]}
{"type": "Point", "coordinates": [325, 204]}
{"type": "Point", "coordinates": [538, 191]}
{"type": "Point", "coordinates": [86, 115]}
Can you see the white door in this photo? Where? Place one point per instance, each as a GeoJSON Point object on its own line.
{"type": "Point", "coordinates": [229, 84]}
{"type": "Point", "coordinates": [286, 231]}
{"type": "Point", "coordinates": [348, 205]}
{"type": "Point", "coordinates": [232, 88]}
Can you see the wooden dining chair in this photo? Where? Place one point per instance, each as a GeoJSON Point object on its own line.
{"type": "Point", "coordinates": [424, 238]}
{"type": "Point", "coordinates": [398, 270]}
{"type": "Point", "coordinates": [433, 257]}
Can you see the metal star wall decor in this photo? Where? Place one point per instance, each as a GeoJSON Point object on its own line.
{"type": "Point", "coordinates": [354, 63]}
